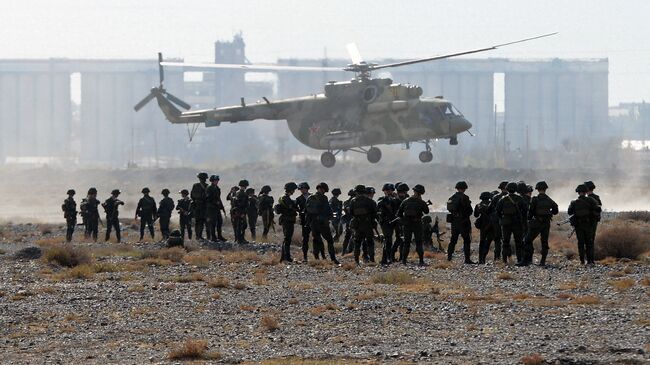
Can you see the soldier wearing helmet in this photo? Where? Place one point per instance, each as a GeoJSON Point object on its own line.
{"type": "Point", "coordinates": [239, 207]}
{"type": "Point", "coordinates": [213, 209]}
{"type": "Point", "coordinates": [337, 210]}
{"type": "Point", "coordinates": [147, 211]}
{"type": "Point", "coordinates": [111, 206]}
{"type": "Point", "coordinates": [184, 208]}
{"type": "Point", "coordinates": [402, 194]}
{"type": "Point", "coordinates": [265, 209]}
{"type": "Point", "coordinates": [496, 220]}
{"type": "Point", "coordinates": [69, 208]}
{"type": "Point", "coordinates": [460, 210]}
{"type": "Point", "coordinates": [590, 193]}
{"type": "Point", "coordinates": [301, 200]}
{"type": "Point", "coordinates": [90, 214]}
{"type": "Point", "coordinates": [410, 213]}
{"type": "Point", "coordinates": [252, 212]}
{"type": "Point", "coordinates": [165, 209]}
{"type": "Point", "coordinates": [364, 212]}
{"type": "Point", "coordinates": [288, 210]}
{"type": "Point", "coordinates": [540, 213]}
{"type": "Point", "coordinates": [198, 196]}
{"type": "Point", "coordinates": [584, 211]}
{"type": "Point", "coordinates": [318, 214]}
{"type": "Point", "coordinates": [348, 245]}
{"type": "Point", "coordinates": [387, 207]}
{"type": "Point", "coordinates": [511, 211]}
{"type": "Point", "coordinates": [483, 215]}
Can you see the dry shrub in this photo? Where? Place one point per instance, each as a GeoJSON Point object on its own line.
{"type": "Point", "coordinates": [370, 295]}
{"type": "Point", "coordinates": [505, 276]}
{"type": "Point", "coordinates": [135, 289]}
{"type": "Point", "coordinates": [316, 311]}
{"type": "Point", "coordinates": [189, 278]}
{"type": "Point", "coordinates": [635, 215]}
{"type": "Point", "coordinates": [193, 350]}
{"type": "Point", "coordinates": [568, 285]}
{"type": "Point", "coordinates": [173, 254]}
{"type": "Point", "coordinates": [247, 308]}
{"type": "Point", "coordinates": [617, 274]}
{"type": "Point", "coordinates": [532, 359]}
{"type": "Point", "coordinates": [67, 255]}
{"type": "Point", "coordinates": [623, 284]}
{"type": "Point", "coordinates": [349, 266]}
{"type": "Point", "coordinates": [393, 277]}
{"type": "Point", "coordinates": [270, 323]}
{"type": "Point", "coordinates": [216, 296]}
{"type": "Point", "coordinates": [236, 257]}
{"type": "Point", "coordinates": [270, 260]}
{"type": "Point", "coordinates": [78, 272]}
{"type": "Point", "coordinates": [196, 260]}
{"type": "Point", "coordinates": [621, 240]}
{"type": "Point", "coordinates": [239, 286]}
{"type": "Point", "coordinates": [607, 261]}
{"type": "Point", "coordinates": [118, 250]}
{"type": "Point", "coordinates": [587, 299]}
{"type": "Point", "coordinates": [293, 301]}
{"type": "Point", "coordinates": [521, 296]}
{"type": "Point", "coordinates": [260, 278]}
{"type": "Point", "coordinates": [645, 281]}
{"type": "Point", "coordinates": [444, 265]}
{"type": "Point", "coordinates": [219, 282]}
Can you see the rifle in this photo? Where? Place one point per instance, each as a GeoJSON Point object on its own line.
{"type": "Point", "coordinates": [568, 220]}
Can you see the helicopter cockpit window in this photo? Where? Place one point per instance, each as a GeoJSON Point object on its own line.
{"type": "Point", "coordinates": [448, 110]}
{"type": "Point", "coordinates": [455, 110]}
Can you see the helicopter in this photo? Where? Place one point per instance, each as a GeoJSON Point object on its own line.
{"type": "Point", "coordinates": [355, 115]}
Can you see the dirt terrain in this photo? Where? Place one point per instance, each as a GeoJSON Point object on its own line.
{"type": "Point", "coordinates": [138, 303]}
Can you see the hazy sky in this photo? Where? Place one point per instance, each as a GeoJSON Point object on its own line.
{"type": "Point", "coordinates": [273, 29]}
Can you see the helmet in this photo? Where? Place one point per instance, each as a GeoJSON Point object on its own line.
{"type": "Point", "coordinates": [495, 193]}
{"type": "Point", "coordinates": [502, 185]}
{"type": "Point", "coordinates": [521, 187]}
{"type": "Point", "coordinates": [511, 187]}
{"type": "Point", "coordinates": [397, 184]}
{"type": "Point", "coordinates": [590, 185]}
{"type": "Point", "coordinates": [323, 186]}
{"type": "Point", "coordinates": [116, 192]}
{"type": "Point", "coordinates": [336, 191]}
{"type": "Point", "coordinates": [418, 189]}
{"type": "Point", "coordinates": [71, 192]}
{"type": "Point", "coordinates": [360, 189]}
{"type": "Point", "coordinates": [92, 191]}
{"type": "Point", "coordinates": [303, 185]}
{"type": "Point", "coordinates": [184, 192]}
{"type": "Point", "coordinates": [427, 219]}
{"type": "Point", "coordinates": [145, 191]}
{"type": "Point", "coordinates": [486, 195]}
{"type": "Point", "coordinates": [402, 187]}
{"type": "Point", "coordinates": [542, 185]}
{"type": "Point", "coordinates": [529, 188]}
{"type": "Point", "coordinates": [388, 187]}
{"type": "Point", "coordinates": [290, 186]}
{"type": "Point", "coordinates": [214, 178]}
{"type": "Point", "coordinates": [461, 185]}
{"type": "Point", "coordinates": [250, 191]}
{"type": "Point", "coordinates": [581, 188]}
{"type": "Point", "coordinates": [265, 189]}
{"type": "Point", "coordinates": [351, 192]}
{"type": "Point", "coordinates": [243, 183]}
{"type": "Point", "coordinates": [165, 191]}
{"type": "Point", "coordinates": [370, 190]}
{"type": "Point", "coordinates": [175, 233]}
{"type": "Point", "coordinates": [202, 175]}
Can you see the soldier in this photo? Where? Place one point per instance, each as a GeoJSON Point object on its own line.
{"type": "Point", "coordinates": [526, 193]}
{"type": "Point", "coordinates": [460, 208]}
{"type": "Point", "coordinates": [69, 208]}
{"type": "Point", "coordinates": [540, 213]}
{"type": "Point", "coordinates": [369, 245]}
{"type": "Point", "coordinates": [213, 208]}
{"type": "Point", "coordinates": [197, 195]}
{"type": "Point", "coordinates": [364, 212]}
{"type": "Point", "coordinates": [387, 207]}
{"type": "Point", "coordinates": [184, 207]}
{"type": "Point", "coordinates": [318, 214]}
{"type": "Point", "coordinates": [402, 195]}
{"type": "Point", "coordinates": [511, 211]}
{"type": "Point", "coordinates": [165, 209]}
{"type": "Point", "coordinates": [348, 245]}
{"type": "Point", "coordinates": [337, 209]}
{"type": "Point", "coordinates": [590, 193]}
{"type": "Point", "coordinates": [483, 215]}
{"type": "Point", "coordinates": [301, 200]}
{"type": "Point", "coordinates": [410, 213]}
{"type": "Point", "coordinates": [91, 213]}
{"type": "Point", "coordinates": [147, 212]}
{"type": "Point", "coordinates": [251, 212]}
{"type": "Point", "coordinates": [239, 209]}
{"type": "Point", "coordinates": [288, 210]}
{"type": "Point", "coordinates": [111, 206]}
{"type": "Point", "coordinates": [496, 220]}
{"type": "Point", "coordinates": [583, 212]}
{"type": "Point", "coordinates": [265, 209]}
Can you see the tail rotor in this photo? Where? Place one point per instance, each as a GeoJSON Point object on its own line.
{"type": "Point", "coordinates": [163, 96]}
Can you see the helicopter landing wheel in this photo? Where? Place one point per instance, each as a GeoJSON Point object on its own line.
{"type": "Point", "coordinates": [373, 155]}
{"type": "Point", "coordinates": [328, 159]}
{"type": "Point", "coordinates": [425, 156]}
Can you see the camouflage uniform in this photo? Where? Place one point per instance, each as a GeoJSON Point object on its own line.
{"type": "Point", "coordinates": [318, 214]}
{"type": "Point", "coordinates": [511, 211]}
{"type": "Point", "coordinates": [265, 209]}
{"type": "Point", "coordinates": [91, 214]}
{"type": "Point", "coordinates": [460, 209]}
{"type": "Point", "coordinates": [496, 220]}
{"type": "Point", "coordinates": [540, 213]}
{"type": "Point", "coordinates": [197, 194]}
{"type": "Point", "coordinates": [147, 211]}
{"type": "Point", "coordinates": [301, 201]}
{"type": "Point", "coordinates": [364, 213]}
{"type": "Point", "coordinates": [590, 193]}
{"type": "Point", "coordinates": [69, 208]}
{"type": "Point", "coordinates": [337, 209]}
{"type": "Point", "coordinates": [387, 207]}
{"type": "Point", "coordinates": [184, 208]}
{"type": "Point", "coordinates": [252, 213]}
{"type": "Point", "coordinates": [165, 209]}
{"type": "Point", "coordinates": [111, 206]}
{"type": "Point", "coordinates": [483, 215]}
{"type": "Point", "coordinates": [584, 211]}
{"type": "Point", "coordinates": [213, 208]}
{"type": "Point", "coordinates": [239, 207]}
{"type": "Point", "coordinates": [348, 245]}
{"type": "Point", "coordinates": [288, 210]}
{"type": "Point", "coordinates": [402, 195]}
{"type": "Point", "coordinates": [410, 212]}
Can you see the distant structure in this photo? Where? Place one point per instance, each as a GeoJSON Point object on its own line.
{"type": "Point", "coordinates": [548, 105]}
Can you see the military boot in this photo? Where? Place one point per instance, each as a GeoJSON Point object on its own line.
{"type": "Point", "coordinates": [542, 261]}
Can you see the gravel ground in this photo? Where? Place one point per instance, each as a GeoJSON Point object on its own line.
{"type": "Point", "coordinates": [137, 311]}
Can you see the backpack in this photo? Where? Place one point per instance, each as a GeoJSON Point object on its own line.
{"type": "Point", "coordinates": [312, 206]}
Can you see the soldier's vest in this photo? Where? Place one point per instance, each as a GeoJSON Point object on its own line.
{"type": "Point", "coordinates": [483, 219]}
{"type": "Point", "coordinates": [509, 207]}
{"type": "Point", "coordinates": [412, 209]}
{"type": "Point", "coordinates": [453, 205]}
{"type": "Point", "coordinates": [544, 208]}
{"type": "Point", "coordinates": [312, 206]}
{"type": "Point", "coordinates": [582, 210]}
{"type": "Point", "coordinates": [147, 205]}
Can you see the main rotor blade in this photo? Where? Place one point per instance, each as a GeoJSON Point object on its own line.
{"type": "Point", "coordinates": [396, 64]}
{"type": "Point", "coordinates": [211, 66]}
{"type": "Point", "coordinates": [144, 101]}
{"type": "Point", "coordinates": [161, 73]}
{"type": "Point", "coordinates": [177, 101]}
{"type": "Point", "coordinates": [354, 53]}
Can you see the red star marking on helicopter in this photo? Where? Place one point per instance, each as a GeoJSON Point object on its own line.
{"type": "Point", "coordinates": [313, 130]}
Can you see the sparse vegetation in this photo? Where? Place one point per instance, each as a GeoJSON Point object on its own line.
{"type": "Point", "coordinates": [193, 350]}
{"type": "Point", "coordinates": [219, 282]}
{"type": "Point", "coordinates": [621, 240]}
{"type": "Point", "coordinates": [191, 278]}
{"type": "Point", "coordinates": [533, 359]}
{"type": "Point", "coordinates": [635, 215]}
{"type": "Point", "coordinates": [586, 300]}
{"type": "Point", "coordinates": [623, 284]}
{"type": "Point", "coordinates": [505, 276]}
{"type": "Point", "coordinates": [67, 255]}
{"type": "Point", "coordinates": [393, 277]}
{"type": "Point", "coordinates": [270, 323]}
